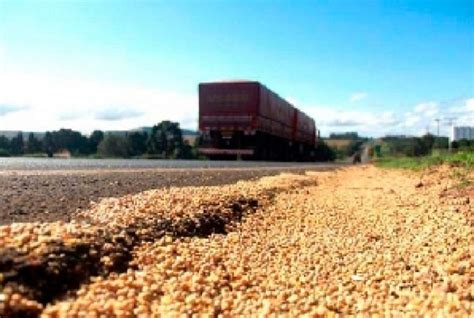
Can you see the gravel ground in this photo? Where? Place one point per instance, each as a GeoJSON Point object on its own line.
{"type": "Point", "coordinates": [353, 241]}
{"type": "Point", "coordinates": [45, 196]}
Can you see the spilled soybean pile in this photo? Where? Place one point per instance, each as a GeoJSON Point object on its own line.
{"type": "Point", "coordinates": [358, 240]}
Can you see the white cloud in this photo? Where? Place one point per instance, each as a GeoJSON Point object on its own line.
{"type": "Point", "coordinates": [84, 105]}
{"type": "Point", "coordinates": [33, 102]}
{"type": "Point", "coordinates": [337, 119]}
{"type": "Point", "coordinates": [462, 112]}
{"type": "Point", "coordinates": [10, 108]}
{"type": "Point", "coordinates": [463, 107]}
{"type": "Point", "coordinates": [469, 104]}
{"type": "Point", "coordinates": [2, 55]}
{"type": "Point", "coordinates": [117, 113]}
{"type": "Point", "coordinates": [413, 121]}
{"type": "Point", "coordinates": [429, 109]}
{"type": "Point", "coordinates": [358, 96]}
{"type": "Point", "coordinates": [3, 60]}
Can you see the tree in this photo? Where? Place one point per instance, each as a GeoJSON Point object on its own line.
{"type": "Point", "coordinates": [441, 143]}
{"type": "Point", "coordinates": [353, 147]}
{"type": "Point", "coordinates": [48, 144]}
{"type": "Point", "coordinates": [323, 152]}
{"type": "Point", "coordinates": [71, 140]}
{"type": "Point", "coordinates": [4, 143]}
{"type": "Point", "coordinates": [137, 142]}
{"type": "Point", "coordinates": [166, 140]}
{"type": "Point", "coordinates": [113, 146]}
{"type": "Point", "coordinates": [4, 146]}
{"type": "Point", "coordinates": [94, 140]}
{"type": "Point", "coordinates": [466, 144]}
{"type": "Point", "coordinates": [185, 152]}
{"type": "Point", "coordinates": [351, 135]}
{"type": "Point", "coordinates": [411, 147]}
{"type": "Point", "coordinates": [428, 141]}
{"type": "Point", "coordinates": [17, 145]}
{"type": "Point", "coordinates": [33, 145]}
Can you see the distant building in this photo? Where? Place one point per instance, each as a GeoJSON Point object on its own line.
{"type": "Point", "coordinates": [459, 133]}
{"type": "Point", "coordinates": [397, 136]}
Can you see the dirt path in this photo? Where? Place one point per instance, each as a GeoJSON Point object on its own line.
{"type": "Point", "coordinates": [359, 240]}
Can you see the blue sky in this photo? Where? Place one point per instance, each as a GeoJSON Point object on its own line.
{"type": "Point", "coordinates": [376, 67]}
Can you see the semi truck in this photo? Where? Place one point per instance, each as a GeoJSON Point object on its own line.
{"type": "Point", "coordinates": [246, 120]}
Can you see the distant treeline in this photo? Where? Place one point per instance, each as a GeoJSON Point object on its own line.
{"type": "Point", "coordinates": [164, 141]}
{"type": "Point", "coordinates": [351, 135]}
{"type": "Point", "coordinates": [421, 146]}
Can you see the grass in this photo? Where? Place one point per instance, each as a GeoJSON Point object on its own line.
{"type": "Point", "coordinates": [462, 163]}
{"type": "Point", "coordinates": [461, 158]}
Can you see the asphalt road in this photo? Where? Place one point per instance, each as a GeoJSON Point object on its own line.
{"type": "Point", "coordinates": [54, 189]}
{"type": "Point", "coordinates": [52, 164]}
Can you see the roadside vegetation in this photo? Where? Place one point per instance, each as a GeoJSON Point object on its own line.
{"type": "Point", "coordinates": [426, 152]}
{"type": "Point", "coordinates": [165, 141]}
{"type": "Point", "coordinates": [422, 152]}
{"type": "Point", "coordinates": [460, 158]}
{"type": "Point", "coordinates": [345, 145]}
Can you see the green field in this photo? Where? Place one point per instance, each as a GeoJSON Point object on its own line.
{"type": "Point", "coordinates": [461, 158]}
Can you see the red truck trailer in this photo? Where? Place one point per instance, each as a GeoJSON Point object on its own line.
{"type": "Point", "coordinates": [247, 120]}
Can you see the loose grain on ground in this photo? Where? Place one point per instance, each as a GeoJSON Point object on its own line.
{"type": "Point", "coordinates": [51, 196]}
{"type": "Point", "coordinates": [360, 240]}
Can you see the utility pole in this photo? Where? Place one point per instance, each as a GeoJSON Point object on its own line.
{"type": "Point", "coordinates": [436, 143]}
{"type": "Point", "coordinates": [437, 124]}
{"type": "Point", "coordinates": [450, 121]}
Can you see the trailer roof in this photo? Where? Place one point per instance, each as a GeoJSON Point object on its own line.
{"type": "Point", "coordinates": [230, 81]}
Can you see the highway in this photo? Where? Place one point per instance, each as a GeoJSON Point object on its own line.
{"type": "Point", "coordinates": [47, 190]}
